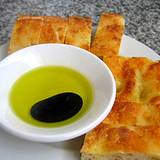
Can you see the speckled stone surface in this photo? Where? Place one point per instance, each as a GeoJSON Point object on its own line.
{"type": "Point", "coordinates": [142, 16]}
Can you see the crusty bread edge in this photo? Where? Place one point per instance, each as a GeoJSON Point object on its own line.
{"type": "Point", "coordinates": [119, 156]}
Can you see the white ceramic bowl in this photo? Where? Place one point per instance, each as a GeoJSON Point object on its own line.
{"type": "Point", "coordinates": [99, 75]}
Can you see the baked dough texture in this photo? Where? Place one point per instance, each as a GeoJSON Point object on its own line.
{"type": "Point", "coordinates": [108, 35]}
{"type": "Point", "coordinates": [32, 30]}
{"type": "Point", "coordinates": [122, 143]}
{"type": "Point", "coordinates": [132, 128]}
{"type": "Point", "coordinates": [79, 32]}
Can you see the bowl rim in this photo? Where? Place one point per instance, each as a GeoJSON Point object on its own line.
{"type": "Point", "coordinates": [44, 138]}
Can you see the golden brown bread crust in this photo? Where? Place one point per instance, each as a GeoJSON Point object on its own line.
{"type": "Point", "coordinates": [30, 30]}
{"type": "Point", "coordinates": [79, 32]}
{"type": "Point", "coordinates": [124, 113]}
{"type": "Point", "coordinates": [108, 35]}
{"type": "Point", "coordinates": [26, 32]}
{"type": "Point", "coordinates": [138, 91]}
{"type": "Point", "coordinates": [133, 125]}
{"type": "Point", "coordinates": [128, 113]}
{"type": "Point", "coordinates": [138, 79]}
{"type": "Point", "coordinates": [105, 140]}
{"type": "Point", "coordinates": [53, 30]}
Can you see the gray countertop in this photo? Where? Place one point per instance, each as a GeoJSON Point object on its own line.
{"type": "Point", "coordinates": [142, 16]}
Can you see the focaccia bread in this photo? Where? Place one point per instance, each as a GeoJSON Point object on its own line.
{"type": "Point", "coordinates": [131, 131]}
{"type": "Point", "coordinates": [53, 30]}
{"type": "Point", "coordinates": [122, 143]}
{"type": "Point", "coordinates": [31, 30]}
{"type": "Point", "coordinates": [125, 113]}
{"type": "Point", "coordinates": [137, 79]}
{"type": "Point", "coordinates": [108, 35]}
{"type": "Point", "coordinates": [79, 32]}
{"type": "Point", "coordinates": [26, 32]}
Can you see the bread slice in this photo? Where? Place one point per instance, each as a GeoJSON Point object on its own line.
{"type": "Point", "coordinates": [125, 113]}
{"type": "Point", "coordinates": [122, 143]}
{"type": "Point", "coordinates": [26, 32]}
{"type": "Point", "coordinates": [131, 131]}
{"type": "Point", "coordinates": [30, 30]}
{"type": "Point", "coordinates": [108, 36]}
{"type": "Point", "coordinates": [137, 78]}
{"type": "Point", "coordinates": [119, 156]}
{"type": "Point", "coordinates": [79, 32]}
{"type": "Point", "coordinates": [53, 30]}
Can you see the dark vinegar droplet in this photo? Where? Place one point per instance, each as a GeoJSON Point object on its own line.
{"type": "Point", "coordinates": [57, 108]}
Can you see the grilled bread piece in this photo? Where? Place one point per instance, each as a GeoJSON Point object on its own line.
{"type": "Point", "coordinates": [122, 143]}
{"type": "Point", "coordinates": [108, 35]}
{"type": "Point", "coordinates": [30, 30]}
{"type": "Point", "coordinates": [79, 32]}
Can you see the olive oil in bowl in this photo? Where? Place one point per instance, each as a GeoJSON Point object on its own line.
{"type": "Point", "coordinates": [42, 83]}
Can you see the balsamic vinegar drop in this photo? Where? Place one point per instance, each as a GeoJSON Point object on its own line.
{"type": "Point", "coordinates": [57, 108]}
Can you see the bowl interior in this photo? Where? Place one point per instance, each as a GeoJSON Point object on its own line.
{"type": "Point", "coordinates": [83, 61]}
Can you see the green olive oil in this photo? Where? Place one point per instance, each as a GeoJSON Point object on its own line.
{"type": "Point", "coordinates": [44, 82]}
